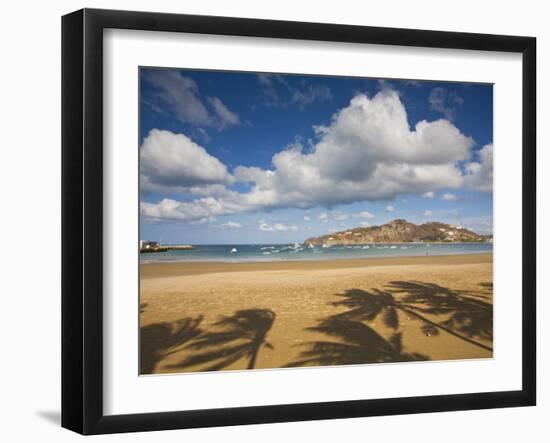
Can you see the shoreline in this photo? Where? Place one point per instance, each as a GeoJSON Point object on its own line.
{"type": "Point", "coordinates": [188, 267]}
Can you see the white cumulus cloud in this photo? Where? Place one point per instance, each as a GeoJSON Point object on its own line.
{"type": "Point", "coordinates": [449, 197]}
{"type": "Point", "coordinates": [367, 152]}
{"type": "Point", "coordinates": [231, 225]}
{"type": "Point", "coordinates": [279, 227]}
{"type": "Point", "coordinates": [428, 213]}
{"type": "Point", "coordinates": [429, 194]}
{"type": "Point", "coordinates": [175, 161]}
{"type": "Point", "coordinates": [390, 208]}
{"type": "Point", "coordinates": [479, 175]}
{"type": "Point", "coordinates": [363, 214]}
{"type": "Point", "coordinates": [339, 216]}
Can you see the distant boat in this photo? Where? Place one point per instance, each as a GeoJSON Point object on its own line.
{"type": "Point", "coordinates": [233, 250]}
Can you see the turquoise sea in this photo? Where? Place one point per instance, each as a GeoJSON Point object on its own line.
{"type": "Point", "coordinates": [297, 251]}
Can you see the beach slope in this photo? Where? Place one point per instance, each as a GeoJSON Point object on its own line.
{"type": "Point", "coordinates": [204, 316]}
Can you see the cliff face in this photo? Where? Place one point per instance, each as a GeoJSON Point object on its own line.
{"type": "Point", "coordinates": [400, 231]}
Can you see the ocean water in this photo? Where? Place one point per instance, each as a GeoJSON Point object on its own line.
{"type": "Point", "coordinates": [281, 252]}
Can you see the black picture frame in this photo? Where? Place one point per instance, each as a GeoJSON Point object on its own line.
{"type": "Point", "coordinates": [82, 218]}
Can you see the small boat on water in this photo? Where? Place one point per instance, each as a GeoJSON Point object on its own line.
{"type": "Point", "coordinates": [233, 250]}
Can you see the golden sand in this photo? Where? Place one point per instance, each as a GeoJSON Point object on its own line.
{"type": "Point", "coordinates": [209, 316]}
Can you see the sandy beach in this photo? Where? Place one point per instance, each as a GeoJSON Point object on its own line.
{"type": "Point", "coordinates": [200, 316]}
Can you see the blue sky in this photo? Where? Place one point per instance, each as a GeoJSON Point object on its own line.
{"type": "Point", "coordinates": [228, 157]}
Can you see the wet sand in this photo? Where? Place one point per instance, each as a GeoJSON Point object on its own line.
{"type": "Point", "coordinates": [201, 316]}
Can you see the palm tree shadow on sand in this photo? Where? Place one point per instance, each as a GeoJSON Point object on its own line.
{"type": "Point", "coordinates": [159, 340]}
{"type": "Point", "coordinates": [468, 316]}
{"type": "Point", "coordinates": [357, 344]}
{"type": "Point", "coordinates": [465, 315]}
{"type": "Point", "coordinates": [235, 337]}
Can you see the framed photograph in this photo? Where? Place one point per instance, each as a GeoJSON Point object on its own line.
{"type": "Point", "coordinates": [269, 221]}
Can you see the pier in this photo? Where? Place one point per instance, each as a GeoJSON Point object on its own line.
{"type": "Point", "coordinates": [151, 246]}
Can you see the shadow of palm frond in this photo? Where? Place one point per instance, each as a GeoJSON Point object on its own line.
{"type": "Point", "coordinates": [357, 344]}
{"type": "Point", "coordinates": [367, 306]}
{"type": "Point", "coordinates": [467, 315]}
{"type": "Point", "coordinates": [486, 291]}
{"type": "Point", "coordinates": [162, 339]}
{"type": "Point", "coordinates": [488, 286]}
{"type": "Point", "coordinates": [239, 336]}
